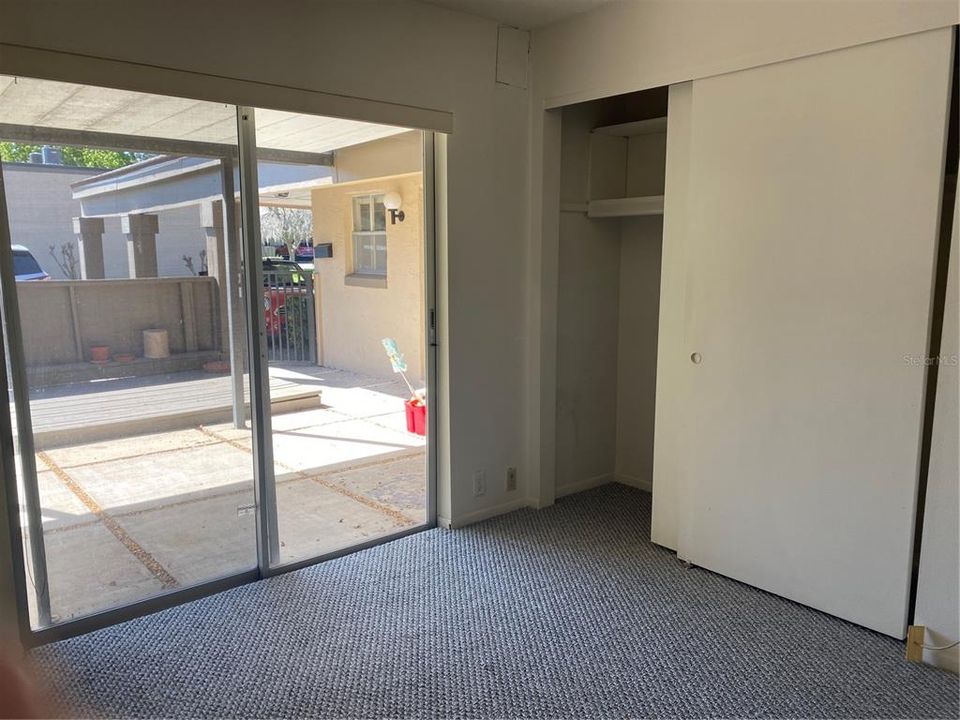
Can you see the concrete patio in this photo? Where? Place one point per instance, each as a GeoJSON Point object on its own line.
{"type": "Point", "coordinates": [127, 518]}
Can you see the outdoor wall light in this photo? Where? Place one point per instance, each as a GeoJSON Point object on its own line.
{"type": "Point", "coordinates": [392, 202]}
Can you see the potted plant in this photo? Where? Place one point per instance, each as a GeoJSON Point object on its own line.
{"type": "Point", "coordinates": [100, 354]}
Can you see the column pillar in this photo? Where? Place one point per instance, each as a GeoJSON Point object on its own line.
{"type": "Point", "coordinates": [141, 231]}
{"type": "Point", "coordinates": [89, 232]}
{"type": "Point", "coordinates": [211, 219]}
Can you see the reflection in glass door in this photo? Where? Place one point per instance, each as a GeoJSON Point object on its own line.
{"type": "Point", "coordinates": [124, 326]}
{"type": "Point", "coordinates": [344, 295]}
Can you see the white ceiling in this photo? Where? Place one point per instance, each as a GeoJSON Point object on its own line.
{"type": "Point", "coordinates": [526, 14]}
{"type": "Point", "coordinates": [43, 103]}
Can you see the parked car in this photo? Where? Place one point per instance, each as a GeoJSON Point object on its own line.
{"type": "Point", "coordinates": [25, 265]}
{"type": "Point", "coordinates": [281, 280]}
{"type": "Point", "coordinates": [305, 252]}
{"type": "Point", "coordinates": [302, 253]}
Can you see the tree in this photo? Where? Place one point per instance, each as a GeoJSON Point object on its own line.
{"type": "Point", "coordinates": [285, 226]}
{"type": "Point", "coordinates": [73, 156]}
{"type": "Point", "coordinates": [67, 260]}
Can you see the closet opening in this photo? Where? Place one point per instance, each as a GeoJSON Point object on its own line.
{"type": "Point", "coordinates": [613, 156]}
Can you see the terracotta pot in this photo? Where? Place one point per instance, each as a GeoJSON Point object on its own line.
{"type": "Point", "coordinates": [217, 366]}
{"type": "Point", "coordinates": [100, 353]}
{"type": "Point", "coordinates": [124, 358]}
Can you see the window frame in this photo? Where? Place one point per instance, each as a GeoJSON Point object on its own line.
{"type": "Point", "coordinates": [367, 204]}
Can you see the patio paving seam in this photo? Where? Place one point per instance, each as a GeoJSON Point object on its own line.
{"type": "Point", "coordinates": [116, 529]}
{"type": "Point", "coordinates": [217, 495]}
{"type": "Point", "coordinates": [148, 453]}
{"type": "Point", "coordinates": [76, 526]}
{"type": "Point", "coordinates": [181, 503]}
{"type": "Point", "coordinates": [394, 514]}
{"type": "Point", "coordinates": [343, 418]}
{"type": "Point", "coordinates": [347, 417]}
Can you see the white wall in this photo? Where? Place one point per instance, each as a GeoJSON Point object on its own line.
{"type": "Point", "coordinates": [640, 246]}
{"type": "Point", "coordinates": [938, 594]}
{"type": "Point", "coordinates": [641, 240]}
{"type": "Point", "coordinates": [587, 311]}
{"type": "Point", "coordinates": [626, 46]}
{"type": "Point", "coordinates": [423, 57]}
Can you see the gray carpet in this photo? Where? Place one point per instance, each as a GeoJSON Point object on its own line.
{"type": "Point", "coordinates": [566, 612]}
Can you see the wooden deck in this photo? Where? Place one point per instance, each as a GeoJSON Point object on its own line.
{"type": "Point", "coordinates": [84, 413]}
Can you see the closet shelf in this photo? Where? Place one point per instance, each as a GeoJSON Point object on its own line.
{"type": "Point", "coordinates": [638, 127]}
{"type": "Point", "coordinates": [626, 207]}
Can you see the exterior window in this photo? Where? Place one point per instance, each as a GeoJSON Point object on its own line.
{"type": "Point", "coordinates": [369, 235]}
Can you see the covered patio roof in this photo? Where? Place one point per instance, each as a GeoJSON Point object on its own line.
{"type": "Point", "coordinates": [27, 103]}
{"type": "Point", "coordinates": [295, 152]}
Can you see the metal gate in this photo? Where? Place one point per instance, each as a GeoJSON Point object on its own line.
{"type": "Point", "coordinates": [288, 309]}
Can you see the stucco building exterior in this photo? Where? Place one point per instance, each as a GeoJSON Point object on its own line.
{"type": "Point", "coordinates": [356, 310]}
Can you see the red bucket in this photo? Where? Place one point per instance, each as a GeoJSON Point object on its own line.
{"type": "Point", "coordinates": [416, 417]}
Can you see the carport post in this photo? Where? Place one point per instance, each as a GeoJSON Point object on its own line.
{"type": "Point", "coordinates": [89, 232]}
{"type": "Point", "coordinates": [141, 230]}
{"type": "Point", "coordinates": [265, 489]}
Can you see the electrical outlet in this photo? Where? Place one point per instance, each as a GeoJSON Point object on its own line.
{"type": "Point", "coordinates": [479, 483]}
{"type": "Point", "coordinates": [511, 479]}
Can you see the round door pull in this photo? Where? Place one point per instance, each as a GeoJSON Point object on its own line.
{"type": "Point", "coordinates": [695, 358]}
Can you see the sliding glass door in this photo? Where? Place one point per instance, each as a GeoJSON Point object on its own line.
{"type": "Point", "coordinates": [125, 327]}
{"type": "Point", "coordinates": [343, 293]}
{"type": "Point", "coordinates": [214, 331]}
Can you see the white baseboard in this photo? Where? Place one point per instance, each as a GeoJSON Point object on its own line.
{"type": "Point", "coordinates": [588, 484]}
{"type": "Point", "coordinates": [483, 514]}
{"type": "Point", "coordinates": [638, 483]}
{"type": "Point", "coordinates": [582, 485]}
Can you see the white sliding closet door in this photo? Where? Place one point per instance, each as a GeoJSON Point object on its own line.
{"type": "Point", "coordinates": [814, 189]}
